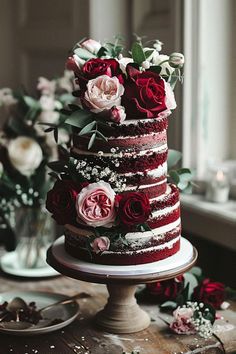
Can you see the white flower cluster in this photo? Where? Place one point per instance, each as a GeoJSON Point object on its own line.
{"type": "Point", "coordinates": [202, 325]}
{"type": "Point", "coordinates": [97, 173]}
{"type": "Point", "coordinates": [25, 198]}
{"type": "Point", "coordinates": [8, 213]}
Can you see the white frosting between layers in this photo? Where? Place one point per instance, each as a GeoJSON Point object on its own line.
{"type": "Point", "coordinates": [165, 211]}
{"type": "Point", "coordinates": [162, 148]}
{"type": "Point", "coordinates": [133, 137]}
{"type": "Point", "coordinates": [156, 172]}
{"type": "Point", "coordinates": [168, 245]}
{"type": "Point", "coordinates": [154, 232]}
{"type": "Point", "coordinates": [143, 186]}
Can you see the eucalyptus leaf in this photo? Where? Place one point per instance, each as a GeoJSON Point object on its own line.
{"type": "Point", "coordinates": [174, 176]}
{"type": "Point", "coordinates": [101, 135]}
{"type": "Point", "coordinates": [91, 141]}
{"type": "Point", "coordinates": [174, 157]}
{"type": "Point", "coordinates": [192, 281]}
{"type": "Point", "coordinates": [196, 271]}
{"type": "Point", "coordinates": [79, 118]}
{"type": "Point", "coordinates": [31, 102]}
{"type": "Point", "coordinates": [87, 129]}
{"type": "Point", "coordinates": [138, 53]}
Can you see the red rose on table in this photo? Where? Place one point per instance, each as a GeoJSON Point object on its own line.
{"type": "Point", "coordinates": [133, 208]}
{"type": "Point", "coordinates": [97, 67]}
{"type": "Point", "coordinates": [61, 201]}
{"type": "Point", "coordinates": [166, 290]}
{"type": "Point", "coordinates": [209, 292]}
{"type": "Point", "coordinates": [144, 94]}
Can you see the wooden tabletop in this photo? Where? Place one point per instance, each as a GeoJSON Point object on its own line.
{"type": "Point", "coordinates": [81, 337]}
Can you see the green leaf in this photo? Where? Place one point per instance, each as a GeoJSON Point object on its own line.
{"type": "Point", "coordinates": [84, 53]}
{"type": "Point", "coordinates": [196, 271]}
{"type": "Point", "coordinates": [91, 141]}
{"type": "Point", "coordinates": [173, 158]}
{"type": "Point", "coordinates": [57, 166]}
{"type": "Point", "coordinates": [155, 68]}
{"type": "Point", "coordinates": [169, 304]}
{"type": "Point", "coordinates": [148, 53]}
{"type": "Point", "coordinates": [190, 279]}
{"type": "Point", "coordinates": [79, 118]}
{"type": "Point", "coordinates": [102, 51]}
{"type": "Point", "coordinates": [87, 128]}
{"type": "Point", "coordinates": [174, 176]}
{"type": "Point", "coordinates": [31, 102]}
{"type": "Point", "coordinates": [138, 53]}
{"type": "Point", "coordinates": [101, 135]}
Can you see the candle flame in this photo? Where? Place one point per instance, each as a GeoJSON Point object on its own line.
{"type": "Point", "coordinates": [220, 175]}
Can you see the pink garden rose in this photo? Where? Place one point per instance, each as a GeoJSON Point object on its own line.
{"type": "Point", "coordinates": [103, 93]}
{"type": "Point", "coordinates": [182, 323]}
{"type": "Point", "coordinates": [100, 244]}
{"type": "Point", "coordinates": [118, 114]}
{"type": "Point", "coordinates": [95, 205]}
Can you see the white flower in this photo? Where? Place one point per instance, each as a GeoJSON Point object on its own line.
{"type": "Point", "coordinates": [170, 97]}
{"type": "Point", "coordinates": [123, 62]}
{"type": "Point", "coordinates": [158, 45]}
{"type": "Point", "coordinates": [103, 93]}
{"type": "Point", "coordinates": [145, 64]}
{"type": "Point", "coordinates": [224, 305]}
{"type": "Point", "coordinates": [6, 97]}
{"type": "Point", "coordinates": [25, 154]}
{"type": "Point", "coordinates": [91, 45]}
{"type": "Point", "coordinates": [49, 116]}
{"type": "Point", "coordinates": [47, 103]}
{"type": "Point", "coordinates": [183, 312]}
{"type": "Point", "coordinates": [46, 86]}
{"type": "Point", "coordinates": [159, 59]}
{"type": "Point", "coordinates": [176, 60]}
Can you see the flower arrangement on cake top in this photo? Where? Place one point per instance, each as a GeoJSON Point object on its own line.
{"type": "Point", "coordinates": [107, 184]}
{"type": "Point", "coordinates": [25, 149]}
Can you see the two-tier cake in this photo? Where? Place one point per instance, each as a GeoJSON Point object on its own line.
{"type": "Point", "coordinates": [112, 193]}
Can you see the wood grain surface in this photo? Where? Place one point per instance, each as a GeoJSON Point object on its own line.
{"type": "Point", "coordinates": [82, 337]}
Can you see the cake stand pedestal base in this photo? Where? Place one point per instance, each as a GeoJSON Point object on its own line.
{"type": "Point", "coordinates": [122, 314]}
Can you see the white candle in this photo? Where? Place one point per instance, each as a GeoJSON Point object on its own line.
{"type": "Point", "coordinates": [218, 188]}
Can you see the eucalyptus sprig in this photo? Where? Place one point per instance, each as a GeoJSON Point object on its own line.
{"type": "Point", "coordinates": [181, 177]}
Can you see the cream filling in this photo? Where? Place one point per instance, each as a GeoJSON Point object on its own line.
{"type": "Point", "coordinates": [168, 245]}
{"type": "Point", "coordinates": [143, 186]}
{"type": "Point", "coordinates": [160, 171]}
{"type": "Point", "coordinates": [162, 148]}
{"type": "Point", "coordinates": [137, 136]}
{"type": "Point", "coordinates": [165, 211]}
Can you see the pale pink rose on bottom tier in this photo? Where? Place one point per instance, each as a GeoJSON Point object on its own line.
{"type": "Point", "coordinates": [95, 205]}
{"type": "Point", "coordinates": [100, 244]}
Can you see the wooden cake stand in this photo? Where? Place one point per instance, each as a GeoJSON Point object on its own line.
{"type": "Point", "coordinates": [122, 314]}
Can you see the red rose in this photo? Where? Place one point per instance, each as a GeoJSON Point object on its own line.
{"type": "Point", "coordinates": [133, 208]}
{"type": "Point", "coordinates": [167, 289]}
{"type": "Point", "coordinates": [209, 292]}
{"type": "Point", "coordinates": [144, 94]}
{"type": "Point", "coordinates": [97, 67]}
{"type": "Point", "coordinates": [61, 201]}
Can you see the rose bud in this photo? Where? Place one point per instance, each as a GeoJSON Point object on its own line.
{"type": "Point", "coordinates": [74, 63]}
{"type": "Point", "coordinates": [118, 114]}
{"type": "Point", "coordinates": [145, 64]}
{"type": "Point", "coordinates": [176, 60]}
{"type": "Point", "coordinates": [209, 292]}
{"type": "Point", "coordinates": [100, 244]}
{"type": "Point", "coordinates": [158, 45]}
{"type": "Point", "coordinates": [91, 45]}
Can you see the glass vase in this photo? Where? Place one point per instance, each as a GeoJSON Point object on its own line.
{"type": "Point", "coordinates": [35, 231]}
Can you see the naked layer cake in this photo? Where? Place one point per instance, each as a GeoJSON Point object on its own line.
{"type": "Point", "coordinates": [111, 192]}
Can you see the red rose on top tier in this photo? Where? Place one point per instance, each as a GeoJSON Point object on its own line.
{"type": "Point", "coordinates": [61, 201]}
{"type": "Point", "coordinates": [166, 290]}
{"type": "Point", "coordinates": [209, 292]}
{"type": "Point", "coordinates": [133, 208]}
{"type": "Point", "coordinates": [144, 95]}
{"type": "Point", "coordinates": [97, 67]}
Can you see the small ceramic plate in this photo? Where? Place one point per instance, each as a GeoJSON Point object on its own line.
{"type": "Point", "coordinates": [67, 313]}
{"type": "Point", "coordinates": [9, 265]}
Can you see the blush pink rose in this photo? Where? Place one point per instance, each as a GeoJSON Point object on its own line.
{"type": "Point", "coordinates": [91, 45]}
{"type": "Point", "coordinates": [182, 323]}
{"type": "Point", "coordinates": [103, 93]}
{"type": "Point", "coordinates": [170, 97]}
{"type": "Point", "coordinates": [95, 205]}
{"type": "Point", "coordinates": [100, 244]}
{"type": "Point", "coordinates": [118, 114]}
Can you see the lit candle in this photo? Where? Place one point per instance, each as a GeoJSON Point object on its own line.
{"type": "Point", "coordinates": [218, 188]}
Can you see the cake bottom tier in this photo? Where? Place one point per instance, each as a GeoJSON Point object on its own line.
{"type": "Point", "coordinates": [141, 256]}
